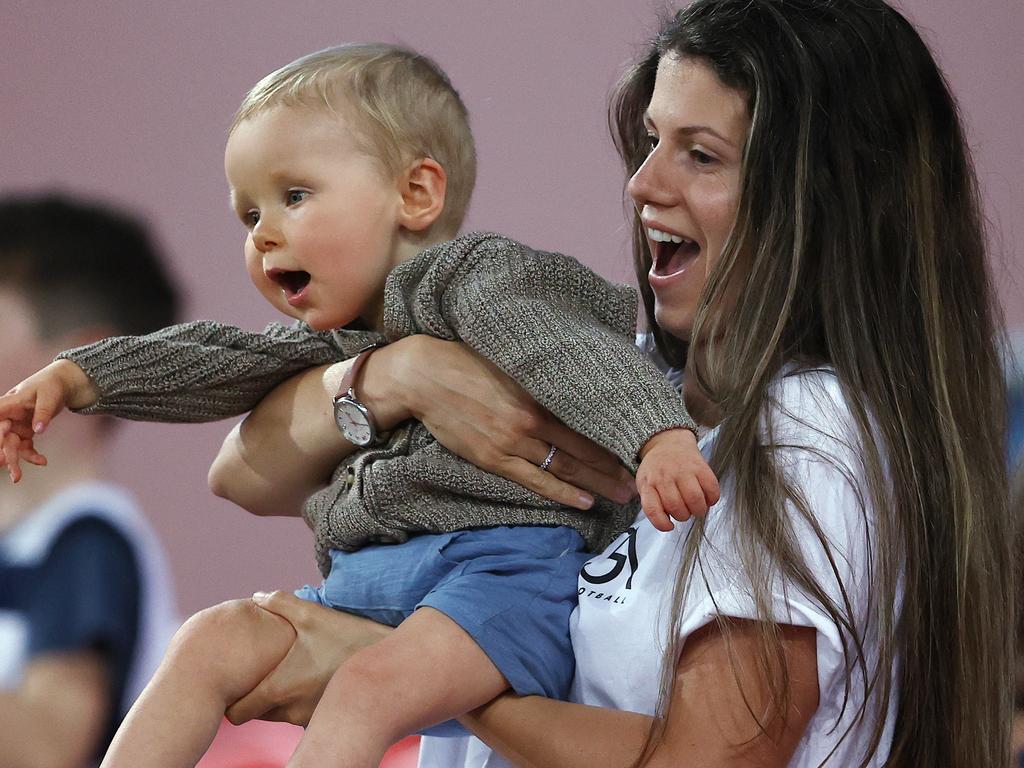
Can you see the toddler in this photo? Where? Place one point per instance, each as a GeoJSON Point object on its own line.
{"type": "Point", "coordinates": [351, 170]}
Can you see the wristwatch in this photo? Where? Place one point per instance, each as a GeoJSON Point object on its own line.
{"type": "Point", "coordinates": [354, 419]}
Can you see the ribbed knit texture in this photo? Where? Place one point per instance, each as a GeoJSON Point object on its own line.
{"type": "Point", "coordinates": [203, 371]}
{"type": "Point", "coordinates": [561, 331]}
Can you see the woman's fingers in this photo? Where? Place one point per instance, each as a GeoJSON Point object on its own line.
{"type": "Point", "coordinates": [476, 411]}
{"type": "Point", "coordinates": [617, 485]}
{"type": "Point", "coordinates": [324, 640]}
{"type": "Point", "coordinates": [582, 463]}
{"type": "Point", "coordinates": [552, 431]}
{"type": "Point", "coordinates": [268, 701]}
{"type": "Point", "coordinates": [544, 483]}
{"type": "Point", "coordinates": [281, 692]}
{"type": "Point", "coordinates": [292, 609]}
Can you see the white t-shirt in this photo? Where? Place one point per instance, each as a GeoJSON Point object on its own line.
{"type": "Point", "coordinates": [620, 629]}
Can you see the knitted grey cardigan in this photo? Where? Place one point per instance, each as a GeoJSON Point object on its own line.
{"type": "Point", "coordinates": [561, 331]}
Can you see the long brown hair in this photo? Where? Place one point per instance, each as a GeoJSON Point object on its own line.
{"type": "Point", "coordinates": [858, 245]}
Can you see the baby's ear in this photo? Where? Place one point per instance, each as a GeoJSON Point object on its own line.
{"type": "Point", "coordinates": [422, 186]}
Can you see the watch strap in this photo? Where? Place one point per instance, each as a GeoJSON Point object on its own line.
{"type": "Point", "coordinates": [348, 381]}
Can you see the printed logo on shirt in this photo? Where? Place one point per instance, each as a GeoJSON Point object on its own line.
{"type": "Point", "coordinates": [619, 560]}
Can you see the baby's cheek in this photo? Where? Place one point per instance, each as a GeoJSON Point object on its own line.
{"type": "Point", "coordinates": [272, 293]}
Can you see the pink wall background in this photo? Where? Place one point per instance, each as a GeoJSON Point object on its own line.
{"type": "Point", "coordinates": [130, 102]}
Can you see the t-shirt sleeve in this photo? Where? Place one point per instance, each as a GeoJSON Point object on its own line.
{"type": "Point", "coordinates": [820, 463]}
{"type": "Point", "coordinates": [87, 595]}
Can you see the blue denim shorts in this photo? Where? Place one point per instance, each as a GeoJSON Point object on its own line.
{"type": "Point", "coordinates": [511, 588]}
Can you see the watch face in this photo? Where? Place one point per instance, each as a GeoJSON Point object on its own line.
{"type": "Point", "coordinates": [352, 420]}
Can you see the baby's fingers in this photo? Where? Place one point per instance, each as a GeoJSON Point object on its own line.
{"type": "Point", "coordinates": [672, 502]}
{"type": "Point", "coordinates": [31, 455]}
{"type": "Point", "coordinates": [13, 408]}
{"type": "Point", "coordinates": [49, 402]}
{"type": "Point", "coordinates": [709, 486]}
{"type": "Point", "coordinates": [650, 501]}
{"type": "Point", "coordinates": [693, 497]}
{"type": "Point", "coordinates": [9, 449]}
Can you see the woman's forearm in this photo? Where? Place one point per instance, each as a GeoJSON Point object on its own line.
{"type": "Point", "coordinates": [286, 448]}
{"type": "Point", "coordinates": [710, 721]}
{"type": "Point", "coordinates": [534, 732]}
{"type": "Point", "coordinates": [283, 451]}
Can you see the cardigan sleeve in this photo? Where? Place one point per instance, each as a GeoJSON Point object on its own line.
{"type": "Point", "coordinates": [198, 371]}
{"type": "Point", "coordinates": [560, 330]}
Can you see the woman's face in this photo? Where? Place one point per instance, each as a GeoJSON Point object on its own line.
{"type": "Point", "coordinates": [687, 190]}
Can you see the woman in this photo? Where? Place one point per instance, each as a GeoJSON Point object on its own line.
{"type": "Point", "coordinates": [809, 240]}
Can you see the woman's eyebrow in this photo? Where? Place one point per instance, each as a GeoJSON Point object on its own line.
{"type": "Point", "coordinates": [687, 131]}
{"type": "Point", "coordinates": [690, 130]}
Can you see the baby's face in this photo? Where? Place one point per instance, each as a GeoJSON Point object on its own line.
{"type": "Point", "coordinates": [321, 218]}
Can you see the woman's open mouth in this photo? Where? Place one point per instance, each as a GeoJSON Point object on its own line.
{"type": "Point", "coordinates": [670, 253]}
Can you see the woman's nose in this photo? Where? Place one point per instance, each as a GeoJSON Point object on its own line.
{"type": "Point", "coordinates": [646, 185]}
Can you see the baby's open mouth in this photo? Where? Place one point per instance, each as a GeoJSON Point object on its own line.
{"type": "Point", "coordinates": [292, 281]}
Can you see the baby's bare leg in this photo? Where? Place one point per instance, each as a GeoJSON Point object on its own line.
{"type": "Point", "coordinates": [425, 672]}
{"type": "Point", "coordinates": [218, 656]}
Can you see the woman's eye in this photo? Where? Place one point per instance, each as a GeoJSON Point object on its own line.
{"type": "Point", "coordinates": [296, 196]}
{"type": "Point", "coordinates": [701, 158]}
{"type": "Point", "coordinates": [652, 142]}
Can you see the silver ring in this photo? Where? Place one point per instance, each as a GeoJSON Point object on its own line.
{"type": "Point", "coordinates": [547, 459]}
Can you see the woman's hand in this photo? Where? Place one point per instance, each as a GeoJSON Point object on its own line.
{"type": "Point", "coordinates": [286, 448]}
{"type": "Point", "coordinates": [324, 639]}
{"type": "Point", "coordinates": [476, 411]}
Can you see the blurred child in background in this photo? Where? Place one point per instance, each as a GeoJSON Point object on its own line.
{"type": "Point", "coordinates": [86, 607]}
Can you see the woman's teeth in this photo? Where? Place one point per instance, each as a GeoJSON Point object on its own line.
{"type": "Point", "coordinates": [672, 253]}
{"type": "Point", "coordinates": [663, 237]}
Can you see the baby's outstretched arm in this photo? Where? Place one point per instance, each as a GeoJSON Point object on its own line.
{"type": "Point", "coordinates": [674, 480]}
{"type": "Point", "coordinates": [27, 409]}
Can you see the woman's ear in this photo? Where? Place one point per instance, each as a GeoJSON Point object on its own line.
{"type": "Point", "coordinates": [422, 186]}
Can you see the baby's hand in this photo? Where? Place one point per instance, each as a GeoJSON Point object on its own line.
{"type": "Point", "coordinates": [16, 447]}
{"type": "Point", "coordinates": [26, 410]}
{"type": "Point", "coordinates": [674, 480]}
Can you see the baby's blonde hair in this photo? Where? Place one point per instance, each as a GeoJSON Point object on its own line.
{"type": "Point", "coordinates": [401, 104]}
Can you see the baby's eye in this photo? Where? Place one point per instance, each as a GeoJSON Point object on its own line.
{"type": "Point", "coordinates": [251, 218]}
{"type": "Point", "coordinates": [296, 196]}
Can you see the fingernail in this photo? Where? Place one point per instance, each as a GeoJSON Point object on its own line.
{"type": "Point", "coordinates": [39, 427]}
{"type": "Point", "coordinates": [586, 502]}
{"type": "Point", "coordinates": [259, 597]}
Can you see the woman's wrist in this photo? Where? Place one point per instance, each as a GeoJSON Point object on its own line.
{"type": "Point", "coordinates": [385, 382]}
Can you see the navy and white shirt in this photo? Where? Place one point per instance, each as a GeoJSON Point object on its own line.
{"type": "Point", "coordinates": [84, 572]}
